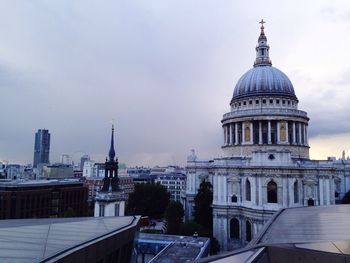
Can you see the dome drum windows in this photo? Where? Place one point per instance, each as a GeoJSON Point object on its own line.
{"type": "Point", "coordinates": [259, 132]}
{"type": "Point", "coordinates": [247, 128]}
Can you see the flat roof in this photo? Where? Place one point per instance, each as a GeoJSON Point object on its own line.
{"type": "Point", "coordinates": [307, 224]}
{"type": "Point", "coordinates": [302, 234]}
{"type": "Point", "coordinates": [36, 240]}
{"type": "Point", "coordinates": [31, 183]}
{"type": "Point", "coordinates": [178, 249]}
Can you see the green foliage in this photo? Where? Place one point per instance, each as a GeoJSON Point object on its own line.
{"type": "Point", "coordinates": [346, 198]}
{"type": "Point", "coordinates": [174, 214]}
{"type": "Point", "coordinates": [152, 231]}
{"type": "Point", "coordinates": [69, 212]}
{"type": "Point", "coordinates": [189, 228]}
{"type": "Point", "coordinates": [148, 200]}
{"type": "Point", "coordinates": [203, 213]}
{"type": "Point", "coordinates": [203, 216]}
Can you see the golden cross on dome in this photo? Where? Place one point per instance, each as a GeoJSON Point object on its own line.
{"type": "Point", "coordinates": [262, 22]}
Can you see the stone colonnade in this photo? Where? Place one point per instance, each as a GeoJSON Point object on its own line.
{"type": "Point", "coordinates": [265, 132]}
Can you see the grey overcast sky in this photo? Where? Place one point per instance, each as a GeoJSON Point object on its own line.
{"type": "Point", "coordinates": [164, 71]}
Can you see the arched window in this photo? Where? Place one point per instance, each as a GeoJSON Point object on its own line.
{"type": "Point", "coordinates": [234, 228]}
{"type": "Point", "coordinates": [272, 192]}
{"type": "Point", "coordinates": [234, 199]}
{"type": "Point", "coordinates": [248, 231]}
{"type": "Point", "coordinates": [247, 190]}
{"type": "Point", "coordinates": [296, 192]}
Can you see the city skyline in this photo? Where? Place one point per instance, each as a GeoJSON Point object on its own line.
{"type": "Point", "coordinates": [164, 72]}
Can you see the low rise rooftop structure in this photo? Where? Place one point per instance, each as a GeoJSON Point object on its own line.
{"type": "Point", "coordinates": [102, 239]}
{"type": "Point", "coordinates": [159, 248]}
{"type": "Point", "coordinates": [303, 234]}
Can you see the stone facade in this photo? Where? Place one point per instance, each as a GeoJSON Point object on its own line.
{"type": "Point", "coordinates": [266, 165]}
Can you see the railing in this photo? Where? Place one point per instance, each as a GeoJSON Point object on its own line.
{"type": "Point", "coordinates": [264, 111]}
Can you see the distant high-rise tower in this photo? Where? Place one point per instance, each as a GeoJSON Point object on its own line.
{"type": "Point", "coordinates": [83, 159]}
{"type": "Point", "coordinates": [41, 147]}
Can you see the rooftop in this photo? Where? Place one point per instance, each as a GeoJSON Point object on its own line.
{"type": "Point", "coordinates": [176, 248]}
{"type": "Point", "coordinates": [303, 234]}
{"type": "Point", "coordinates": [29, 183]}
{"type": "Point", "coordinates": [40, 240]}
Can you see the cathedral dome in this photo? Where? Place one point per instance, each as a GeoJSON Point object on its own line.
{"type": "Point", "coordinates": [264, 80]}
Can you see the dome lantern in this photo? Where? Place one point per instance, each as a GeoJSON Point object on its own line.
{"type": "Point", "coordinates": [262, 50]}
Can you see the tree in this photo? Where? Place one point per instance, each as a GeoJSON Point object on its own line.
{"type": "Point", "coordinates": [191, 227]}
{"type": "Point", "coordinates": [203, 213]}
{"type": "Point", "coordinates": [148, 200]}
{"type": "Point", "coordinates": [174, 214]}
{"type": "Point", "coordinates": [346, 198]}
{"type": "Point", "coordinates": [69, 212]}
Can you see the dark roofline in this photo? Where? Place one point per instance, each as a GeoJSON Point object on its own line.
{"type": "Point", "coordinates": [68, 251]}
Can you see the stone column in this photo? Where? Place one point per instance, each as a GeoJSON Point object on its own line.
{"type": "Point", "coordinates": [251, 132]}
{"type": "Point", "coordinates": [269, 132]}
{"type": "Point", "coordinates": [294, 139]}
{"type": "Point", "coordinates": [230, 134]}
{"type": "Point", "coordinates": [225, 189]}
{"type": "Point", "coordinates": [224, 127]}
{"type": "Point", "coordinates": [299, 126]}
{"type": "Point", "coordinates": [236, 133]}
{"type": "Point", "coordinates": [321, 190]}
{"type": "Point", "coordinates": [284, 192]}
{"type": "Point", "coordinates": [305, 135]}
{"type": "Point", "coordinates": [243, 139]}
{"type": "Point", "coordinates": [328, 192]}
{"type": "Point", "coordinates": [278, 132]}
{"type": "Point", "coordinates": [260, 133]}
{"type": "Point", "coordinates": [260, 191]}
{"type": "Point", "coordinates": [287, 132]}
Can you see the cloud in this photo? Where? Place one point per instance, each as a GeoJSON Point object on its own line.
{"type": "Point", "coordinates": [164, 70]}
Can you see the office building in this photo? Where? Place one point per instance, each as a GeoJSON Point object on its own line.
{"type": "Point", "coordinates": [41, 148]}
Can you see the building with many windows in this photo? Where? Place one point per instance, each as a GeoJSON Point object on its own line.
{"type": "Point", "coordinates": [41, 147]}
{"type": "Point", "coordinates": [174, 180]}
{"type": "Point", "coordinates": [41, 198]}
{"type": "Point", "coordinates": [265, 164]}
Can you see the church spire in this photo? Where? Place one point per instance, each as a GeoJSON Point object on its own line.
{"type": "Point", "coordinates": [111, 153]}
{"type": "Point", "coordinates": [262, 49]}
